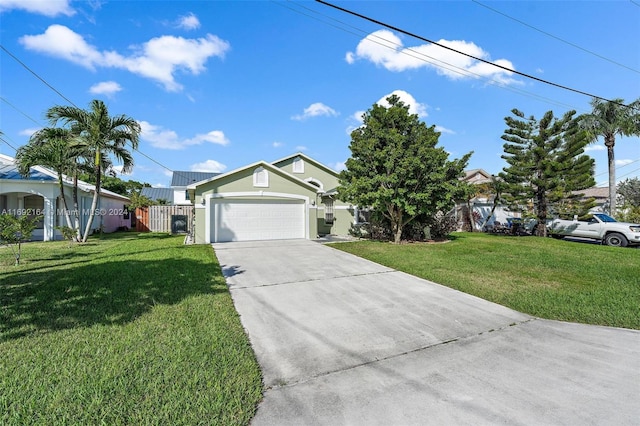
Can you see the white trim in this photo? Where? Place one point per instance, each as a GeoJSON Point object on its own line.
{"type": "Point", "coordinates": [313, 180]}
{"type": "Point", "coordinates": [231, 195]}
{"type": "Point", "coordinates": [260, 173]}
{"type": "Point", "coordinates": [297, 166]}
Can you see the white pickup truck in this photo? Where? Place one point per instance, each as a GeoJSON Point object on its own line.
{"type": "Point", "coordinates": [598, 226]}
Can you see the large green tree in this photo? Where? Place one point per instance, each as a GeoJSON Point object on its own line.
{"type": "Point", "coordinates": [546, 162]}
{"type": "Point", "coordinates": [609, 119]}
{"type": "Point", "coordinates": [100, 136]}
{"type": "Point", "coordinates": [396, 168]}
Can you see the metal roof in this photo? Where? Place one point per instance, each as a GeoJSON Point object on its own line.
{"type": "Point", "coordinates": [10, 171]}
{"type": "Point", "coordinates": [182, 178]}
{"type": "Point", "coordinates": [158, 193]}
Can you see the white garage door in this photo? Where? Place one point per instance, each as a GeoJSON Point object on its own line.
{"type": "Point", "coordinates": [249, 220]}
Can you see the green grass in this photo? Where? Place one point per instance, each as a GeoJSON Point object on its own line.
{"type": "Point", "coordinates": [543, 277]}
{"type": "Point", "coordinates": [130, 329]}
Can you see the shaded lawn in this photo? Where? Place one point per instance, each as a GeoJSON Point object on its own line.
{"type": "Point", "coordinates": [543, 277]}
{"type": "Point", "coordinates": [124, 330]}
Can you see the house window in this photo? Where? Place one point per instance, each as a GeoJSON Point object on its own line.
{"type": "Point", "coordinates": [328, 212]}
{"type": "Point", "coordinates": [34, 206]}
{"type": "Point", "coordinates": [260, 177]}
{"type": "Point", "coordinates": [298, 165]}
{"type": "Point", "coordinates": [315, 182]}
{"type": "Point", "coordinates": [186, 195]}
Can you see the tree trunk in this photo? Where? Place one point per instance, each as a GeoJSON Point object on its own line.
{"type": "Point", "coordinates": [96, 196]}
{"type": "Point", "coordinates": [396, 226]}
{"type": "Point", "coordinates": [470, 216]}
{"type": "Point", "coordinates": [64, 201]}
{"type": "Point", "coordinates": [496, 200]}
{"type": "Point", "coordinates": [609, 142]}
{"type": "Point", "coordinates": [541, 227]}
{"type": "Point", "coordinates": [76, 212]}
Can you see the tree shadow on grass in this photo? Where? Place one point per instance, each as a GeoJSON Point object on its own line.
{"type": "Point", "coordinates": [116, 292]}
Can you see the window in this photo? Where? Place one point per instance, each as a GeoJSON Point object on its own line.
{"type": "Point", "coordinates": [315, 182]}
{"type": "Point", "coordinates": [298, 165]}
{"type": "Point", "coordinates": [261, 177]}
{"type": "Point", "coordinates": [328, 212]}
{"type": "Point", "coordinates": [34, 207]}
{"type": "Point", "coordinates": [186, 195]}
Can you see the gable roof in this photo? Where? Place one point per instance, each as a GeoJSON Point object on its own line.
{"type": "Point", "coordinates": [183, 178]}
{"type": "Point", "coordinates": [476, 176]}
{"type": "Point", "coordinates": [9, 170]}
{"type": "Point", "coordinates": [264, 164]}
{"type": "Point", "coordinates": [597, 192]}
{"type": "Point", "coordinates": [309, 159]}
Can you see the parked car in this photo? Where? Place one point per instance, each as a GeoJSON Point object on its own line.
{"type": "Point", "coordinates": [598, 226]}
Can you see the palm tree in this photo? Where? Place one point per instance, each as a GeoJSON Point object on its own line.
{"type": "Point", "coordinates": [608, 119]}
{"type": "Point", "coordinates": [100, 136]}
{"type": "Point", "coordinates": [50, 147]}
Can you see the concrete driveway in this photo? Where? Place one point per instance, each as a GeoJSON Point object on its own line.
{"type": "Point", "coordinates": [342, 340]}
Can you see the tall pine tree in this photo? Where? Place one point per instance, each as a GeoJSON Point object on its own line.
{"type": "Point", "coordinates": [547, 166]}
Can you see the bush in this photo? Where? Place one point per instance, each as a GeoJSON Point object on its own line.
{"type": "Point", "coordinates": [630, 214]}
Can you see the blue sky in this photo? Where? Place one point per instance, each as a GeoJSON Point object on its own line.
{"type": "Point", "coordinates": [218, 85]}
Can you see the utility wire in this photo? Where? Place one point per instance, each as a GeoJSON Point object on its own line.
{"type": "Point", "coordinates": [35, 74]}
{"type": "Point", "coordinates": [394, 28]}
{"type": "Point", "coordinates": [421, 56]}
{"type": "Point", "coordinates": [555, 37]}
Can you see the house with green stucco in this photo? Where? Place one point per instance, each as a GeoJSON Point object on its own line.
{"type": "Point", "coordinates": [294, 197]}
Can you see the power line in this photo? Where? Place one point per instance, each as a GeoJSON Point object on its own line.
{"type": "Point", "coordinates": [37, 76]}
{"type": "Point", "coordinates": [3, 140]}
{"type": "Point", "coordinates": [554, 36]}
{"type": "Point", "coordinates": [421, 56]}
{"type": "Point", "coordinates": [394, 28]}
{"type": "Point", "coordinates": [66, 99]}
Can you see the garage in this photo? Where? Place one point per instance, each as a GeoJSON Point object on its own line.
{"type": "Point", "coordinates": [251, 220]}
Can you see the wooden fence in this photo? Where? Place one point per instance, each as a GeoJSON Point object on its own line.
{"type": "Point", "coordinates": [171, 219]}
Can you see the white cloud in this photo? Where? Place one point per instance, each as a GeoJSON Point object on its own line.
{"type": "Point", "coordinates": [595, 148]}
{"type": "Point", "coordinates": [211, 166]}
{"type": "Point", "coordinates": [316, 110]}
{"type": "Point", "coordinates": [277, 144]}
{"type": "Point", "coordinates": [28, 132]}
{"type": "Point", "coordinates": [189, 22]}
{"type": "Point", "coordinates": [385, 49]}
{"type": "Point", "coordinates": [168, 139]}
{"type": "Point", "coordinates": [118, 170]}
{"type": "Point", "coordinates": [444, 130]}
{"type": "Point", "coordinates": [301, 148]}
{"type": "Point", "coordinates": [161, 185]}
{"type": "Point", "coordinates": [107, 88]}
{"type": "Point", "coordinates": [157, 59]}
{"type": "Point", "coordinates": [621, 163]}
{"type": "Point", "coordinates": [339, 166]}
{"type": "Point", "coordinates": [49, 8]}
{"type": "Point", "coordinates": [414, 106]}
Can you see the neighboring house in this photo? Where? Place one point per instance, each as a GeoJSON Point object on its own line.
{"type": "Point", "coordinates": [601, 196]}
{"type": "Point", "coordinates": [157, 194]}
{"type": "Point", "coordinates": [39, 195]}
{"type": "Point", "coordinates": [181, 180]}
{"type": "Point", "coordinates": [294, 197]}
{"type": "Point", "coordinates": [177, 194]}
{"type": "Point", "coordinates": [481, 205]}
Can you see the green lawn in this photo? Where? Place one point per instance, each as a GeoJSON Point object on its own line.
{"type": "Point", "coordinates": [543, 277]}
{"type": "Point", "coordinates": [130, 329]}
